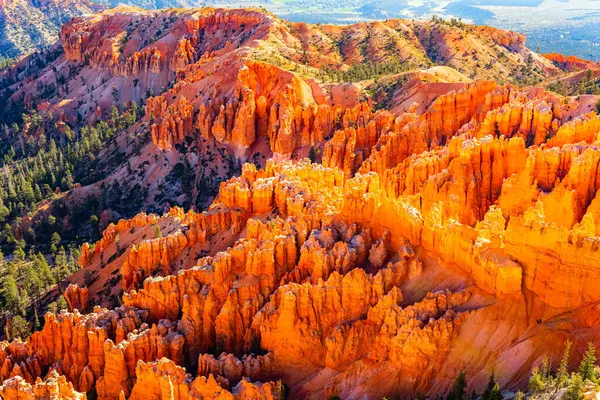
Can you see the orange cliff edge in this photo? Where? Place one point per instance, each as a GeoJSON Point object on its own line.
{"type": "Point", "coordinates": [460, 234]}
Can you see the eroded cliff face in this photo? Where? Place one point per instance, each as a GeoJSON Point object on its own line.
{"type": "Point", "coordinates": [570, 63]}
{"type": "Point", "coordinates": [77, 298]}
{"type": "Point", "coordinates": [452, 235]}
{"type": "Point", "coordinates": [164, 378]}
{"type": "Point", "coordinates": [223, 87]}
{"type": "Point", "coordinates": [333, 267]}
{"type": "Point", "coordinates": [260, 103]}
{"type": "Point", "coordinates": [127, 54]}
{"type": "Point", "coordinates": [377, 263]}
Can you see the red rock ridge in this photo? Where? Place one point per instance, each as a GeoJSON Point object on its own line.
{"type": "Point", "coordinates": [457, 235]}
{"type": "Point", "coordinates": [569, 63]}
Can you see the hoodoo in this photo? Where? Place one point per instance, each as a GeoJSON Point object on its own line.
{"type": "Point", "coordinates": [220, 204]}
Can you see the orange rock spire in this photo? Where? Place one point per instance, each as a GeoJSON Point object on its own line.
{"type": "Point", "coordinates": [456, 230]}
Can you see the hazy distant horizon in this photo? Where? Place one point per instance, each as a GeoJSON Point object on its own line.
{"type": "Point", "coordinates": [571, 27]}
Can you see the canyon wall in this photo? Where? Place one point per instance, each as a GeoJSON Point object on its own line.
{"type": "Point", "coordinates": [414, 245]}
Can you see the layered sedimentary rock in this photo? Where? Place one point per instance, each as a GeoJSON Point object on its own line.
{"type": "Point", "coordinates": [164, 377]}
{"type": "Point", "coordinates": [373, 343]}
{"type": "Point", "coordinates": [148, 256]}
{"type": "Point", "coordinates": [98, 349]}
{"type": "Point", "coordinates": [555, 250]}
{"type": "Point", "coordinates": [583, 129]}
{"type": "Point", "coordinates": [120, 359]}
{"type": "Point", "coordinates": [77, 298]}
{"type": "Point", "coordinates": [569, 63]}
{"type": "Point", "coordinates": [436, 126]}
{"type": "Point", "coordinates": [473, 203]}
{"type": "Point", "coordinates": [267, 102]}
{"type": "Point", "coordinates": [53, 387]}
{"type": "Point", "coordinates": [322, 272]}
{"type": "Point", "coordinates": [173, 122]}
{"type": "Point", "coordinates": [111, 232]}
{"type": "Point", "coordinates": [250, 99]}
{"type": "Point", "coordinates": [458, 234]}
{"type": "Point", "coordinates": [534, 120]}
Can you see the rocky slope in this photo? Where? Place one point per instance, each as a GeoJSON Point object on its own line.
{"type": "Point", "coordinates": [256, 84]}
{"type": "Point", "coordinates": [30, 25]}
{"type": "Point", "coordinates": [445, 224]}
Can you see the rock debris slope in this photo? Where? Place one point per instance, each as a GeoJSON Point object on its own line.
{"type": "Point", "coordinates": [460, 233]}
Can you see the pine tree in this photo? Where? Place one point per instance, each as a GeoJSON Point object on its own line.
{"type": "Point", "coordinates": [61, 266]}
{"type": "Point", "coordinates": [575, 389]}
{"type": "Point", "coordinates": [520, 395]}
{"type": "Point", "coordinates": [23, 301]}
{"type": "Point", "coordinates": [588, 364]}
{"type": "Point", "coordinates": [34, 284]}
{"type": "Point", "coordinates": [312, 154]}
{"type": "Point", "coordinates": [10, 293]}
{"type": "Point", "coordinates": [563, 373]}
{"type": "Point", "coordinates": [496, 392]}
{"type": "Point", "coordinates": [492, 391]}
{"type": "Point", "coordinates": [19, 328]}
{"type": "Point", "coordinates": [74, 254]}
{"type": "Point", "coordinates": [4, 211]}
{"type": "Point", "coordinates": [536, 383]}
{"type": "Point", "coordinates": [43, 269]}
{"type": "Point", "coordinates": [545, 371]}
{"type": "Point", "coordinates": [157, 231]}
{"type": "Point", "coordinates": [36, 320]}
{"type": "Point", "coordinates": [458, 389]}
{"type": "Point", "coordinates": [61, 303]}
{"type": "Point", "coordinates": [54, 242]}
{"type": "Point", "coordinates": [19, 253]}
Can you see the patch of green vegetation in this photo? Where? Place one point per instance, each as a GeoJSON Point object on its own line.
{"type": "Point", "coordinates": [25, 278]}
{"type": "Point", "coordinates": [383, 92]}
{"type": "Point", "coordinates": [529, 74]}
{"type": "Point", "coordinates": [544, 380]}
{"type": "Point", "coordinates": [368, 70]}
{"type": "Point", "coordinates": [588, 84]}
{"type": "Point", "coordinates": [48, 162]}
{"type": "Point", "coordinates": [6, 62]}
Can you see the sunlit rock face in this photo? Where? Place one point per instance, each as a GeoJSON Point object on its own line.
{"type": "Point", "coordinates": [458, 232]}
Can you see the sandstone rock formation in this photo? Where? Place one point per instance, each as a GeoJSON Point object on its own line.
{"type": "Point", "coordinates": [55, 386]}
{"type": "Point", "coordinates": [459, 233]}
{"type": "Point", "coordinates": [325, 274]}
{"type": "Point", "coordinates": [77, 298]}
{"type": "Point", "coordinates": [164, 376]}
{"type": "Point", "coordinates": [569, 63]}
